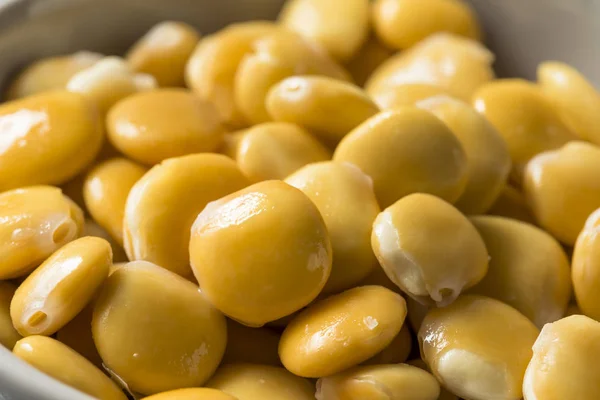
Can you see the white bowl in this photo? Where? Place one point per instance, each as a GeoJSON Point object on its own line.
{"type": "Point", "coordinates": [522, 33]}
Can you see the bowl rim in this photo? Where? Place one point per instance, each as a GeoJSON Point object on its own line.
{"type": "Point", "coordinates": [31, 383]}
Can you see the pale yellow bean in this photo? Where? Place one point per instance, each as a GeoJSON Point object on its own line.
{"type": "Point", "coordinates": [34, 222]}
{"type": "Point", "coordinates": [61, 287]}
{"type": "Point", "coordinates": [64, 364]}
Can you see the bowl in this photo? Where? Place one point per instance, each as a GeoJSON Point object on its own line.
{"type": "Point", "coordinates": [522, 33]}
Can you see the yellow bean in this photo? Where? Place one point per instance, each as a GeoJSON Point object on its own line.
{"type": "Point", "coordinates": [74, 187]}
{"type": "Point", "coordinates": [261, 382]}
{"type": "Point", "coordinates": [326, 106]}
{"type": "Point", "coordinates": [277, 56]}
{"type": "Point", "coordinates": [576, 99]}
{"type": "Point", "coordinates": [58, 134]}
{"type": "Point", "coordinates": [487, 154]}
{"type": "Point", "coordinates": [274, 150]}
{"type": "Point", "coordinates": [212, 67]}
{"type": "Point", "coordinates": [156, 331]}
{"type": "Point", "coordinates": [152, 126]}
{"type": "Point", "coordinates": [49, 74]}
{"type": "Point", "coordinates": [478, 347]}
{"type": "Point", "coordinates": [391, 381]}
{"type": "Point", "coordinates": [61, 287]}
{"type": "Point", "coordinates": [164, 51]}
{"type": "Point", "coordinates": [407, 95]}
{"type": "Point", "coordinates": [108, 81]}
{"type": "Point", "coordinates": [105, 192]}
{"type": "Point", "coordinates": [561, 188]}
{"type": "Point", "coordinates": [60, 362]}
{"type": "Point", "coordinates": [163, 204]}
{"type": "Point", "coordinates": [524, 117]}
{"type": "Point", "coordinates": [455, 63]}
{"type": "Point", "coordinates": [342, 331]}
{"type": "Point", "coordinates": [340, 26]}
{"type": "Point", "coordinates": [429, 156]}
{"type": "Point", "coordinates": [404, 23]}
{"type": "Point", "coordinates": [34, 222]}
{"type": "Point", "coordinates": [528, 269]}
{"type": "Point", "coordinates": [344, 196]}
{"type": "Point", "coordinates": [444, 394]}
{"type": "Point", "coordinates": [563, 359]}
{"type": "Point", "coordinates": [402, 239]}
{"type": "Point", "coordinates": [585, 268]}
{"type": "Point", "coordinates": [191, 394]}
{"type": "Point", "coordinates": [232, 252]}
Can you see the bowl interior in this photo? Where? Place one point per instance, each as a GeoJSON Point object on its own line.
{"type": "Point", "coordinates": [521, 33]}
